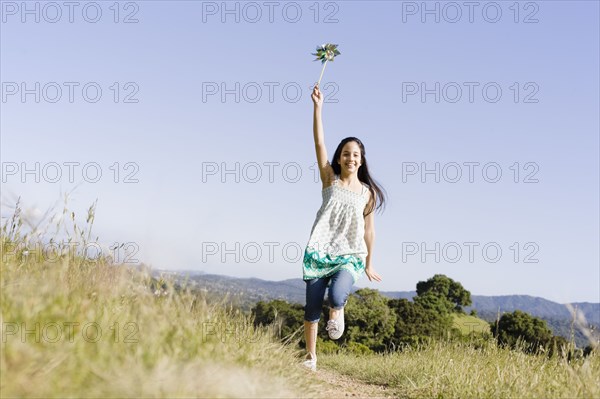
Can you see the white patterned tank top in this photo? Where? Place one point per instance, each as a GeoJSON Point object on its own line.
{"type": "Point", "coordinates": [337, 238]}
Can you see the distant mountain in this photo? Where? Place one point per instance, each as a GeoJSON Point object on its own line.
{"type": "Point", "coordinates": [242, 292]}
{"type": "Point", "coordinates": [540, 307]}
{"type": "Point", "coordinates": [245, 292]}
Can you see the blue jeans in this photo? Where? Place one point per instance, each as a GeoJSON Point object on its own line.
{"type": "Point", "coordinates": [339, 289]}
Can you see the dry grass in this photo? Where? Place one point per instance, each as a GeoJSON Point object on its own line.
{"type": "Point", "coordinates": [452, 370]}
{"type": "Point", "coordinates": [74, 327]}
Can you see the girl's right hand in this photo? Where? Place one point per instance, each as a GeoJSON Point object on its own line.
{"type": "Point", "coordinates": [317, 96]}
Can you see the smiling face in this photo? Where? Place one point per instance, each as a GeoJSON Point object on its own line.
{"type": "Point", "coordinates": [350, 158]}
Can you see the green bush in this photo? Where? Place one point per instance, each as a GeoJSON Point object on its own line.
{"type": "Point", "coordinates": [520, 330]}
{"type": "Point", "coordinates": [369, 319]}
{"type": "Point", "coordinates": [327, 346]}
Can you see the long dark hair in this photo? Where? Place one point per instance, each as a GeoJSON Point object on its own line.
{"type": "Point", "coordinates": [377, 192]}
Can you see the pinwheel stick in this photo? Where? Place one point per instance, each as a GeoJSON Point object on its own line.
{"type": "Point", "coordinates": [322, 70]}
{"type": "Point", "coordinates": [326, 52]}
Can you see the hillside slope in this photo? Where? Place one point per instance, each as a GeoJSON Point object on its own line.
{"type": "Point", "coordinates": [244, 292]}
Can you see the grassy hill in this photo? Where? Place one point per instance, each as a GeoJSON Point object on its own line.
{"type": "Point", "coordinates": [467, 324]}
{"type": "Point", "coordinates": [80, 328]}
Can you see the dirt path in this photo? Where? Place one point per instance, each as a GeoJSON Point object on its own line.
{"type": "Point", "coordinates": [340, 386]}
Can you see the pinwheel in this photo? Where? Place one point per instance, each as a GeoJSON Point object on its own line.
{"type": "Point", "coordinates": [325, 52]}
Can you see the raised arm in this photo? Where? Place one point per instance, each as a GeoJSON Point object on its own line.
{"type": "Point", "coordinates": [325, 169]}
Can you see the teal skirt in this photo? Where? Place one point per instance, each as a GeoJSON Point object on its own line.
{"type": "Point", "coordinates": [318, 265]}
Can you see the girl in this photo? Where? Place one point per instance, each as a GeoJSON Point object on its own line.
{"type": "Point", "coordinates": [340, 247]}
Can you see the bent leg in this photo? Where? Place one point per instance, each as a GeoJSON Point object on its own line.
{"type": "Point", "coordinates": [339, 290]}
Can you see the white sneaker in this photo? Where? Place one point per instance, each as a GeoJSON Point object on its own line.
{"type": "Point", "coordinates": [335, 327]}
{"type": "Point", "coordinates": [310, 363]}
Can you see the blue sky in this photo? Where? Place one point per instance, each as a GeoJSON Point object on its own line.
{"type": "Point", "coordinates": [170, 132]}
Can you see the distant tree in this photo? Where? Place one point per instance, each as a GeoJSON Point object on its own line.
{"type": "Point", "coordinates": [414, 322]}
{"type": "Point", "coordinates": [518, 326]}
{"type": "Point", "coordinates": [368, 319]}
{"type": "Point", "coordinates": [434, 302]}
{"type": "Point", "coordinates": [444, 287]}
